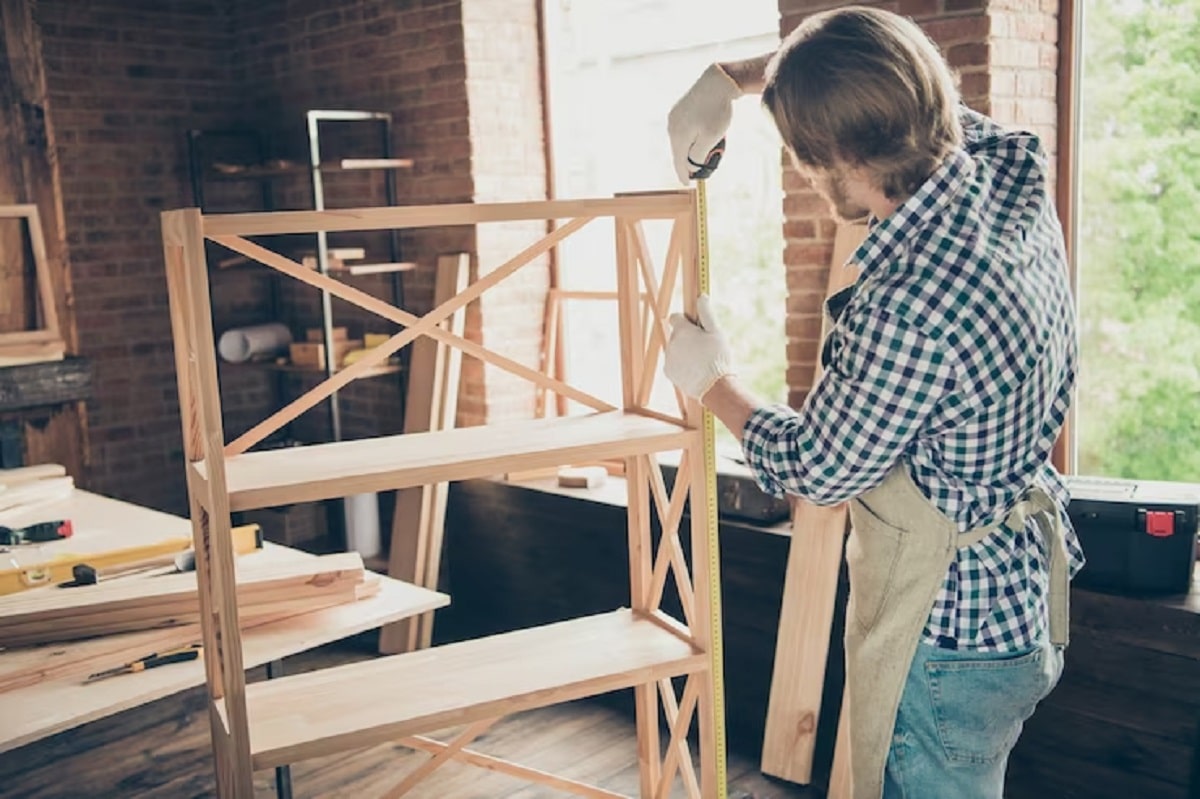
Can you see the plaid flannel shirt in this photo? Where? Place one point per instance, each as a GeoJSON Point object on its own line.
{"type": "Point", "coordinates": [955, 352]}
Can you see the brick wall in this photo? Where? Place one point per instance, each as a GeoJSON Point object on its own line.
{"type": "Point", "coordinates": [1004, 52]}
{"type": "Point", "coordinates": [508, 158]}
{"type": "Point", "coordinates": [460, 78]}
{"type": "Point", "coordinates": [126, 79]}
{"type": "Point", "coordinates": [406, 59]}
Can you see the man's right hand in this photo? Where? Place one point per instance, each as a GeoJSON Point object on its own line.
{"type": "Point", "coordinates": [698, 121]}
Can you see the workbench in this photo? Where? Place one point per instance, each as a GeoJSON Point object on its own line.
{"type": "Point", "coordinates": [35, 712]}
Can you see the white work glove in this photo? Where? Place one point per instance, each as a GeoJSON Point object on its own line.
{"type": "Point", "coordinates": [697, 356]}
{"type": "Point", "coordinates": [699, 119]}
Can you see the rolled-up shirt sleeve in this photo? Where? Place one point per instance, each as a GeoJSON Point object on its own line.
{"type": "Point", "coordinates": [884, 379]}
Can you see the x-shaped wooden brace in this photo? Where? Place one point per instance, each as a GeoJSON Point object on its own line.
{"type": "Point", "coordinates": [670, 552]}
{"type": "Point", "coordinates": [679, 755]}
{"type": "Point", "coordinates": [415, 326]}
{"type": "Point", "coordinates": [660, 300]}
{"type": "Point", "coordinates": [445, 751]}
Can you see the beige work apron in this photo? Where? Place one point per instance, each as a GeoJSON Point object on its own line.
{"type": "Point", "coordinates": [898, 552]}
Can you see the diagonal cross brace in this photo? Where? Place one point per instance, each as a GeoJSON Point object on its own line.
{"type": "Point", "coordinates": [416, 326]}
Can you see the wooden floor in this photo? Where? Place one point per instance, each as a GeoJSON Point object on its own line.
{"type": "Point", "coordinates": [162, 751]}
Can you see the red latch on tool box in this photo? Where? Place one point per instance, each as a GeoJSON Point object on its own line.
{"type": "Point", "coordinates": [1160, 523]}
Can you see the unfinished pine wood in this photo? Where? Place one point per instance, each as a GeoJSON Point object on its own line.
{"type": "Point", "coordinates": [32, 494]}
{"type": "Point", "coordinates": [210, 512]}
{"type": "Point", "coordinates": [431, 405]}
{"type": "Point", "coordinates": [661, 206]}
{"type": "Point", "coordinates": [321, 471]}
{"type": "Point", "coordinates": [308, 715]}
{"type": "Point", "coordinates": [257, 727]}
{"type": "Point", "coordinates": [638, 513]}
{"type": "Point", "coordinates": [809, 594]}
{"type": "Point", "coordinates": [49, 616]}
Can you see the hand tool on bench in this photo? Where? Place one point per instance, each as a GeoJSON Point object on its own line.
{"type": "Point", "coordinates": [38, 533]}
{"type": "Point", "coordinates": [59, 568]}
{"type": "Point", "coordinates": [151, 661]}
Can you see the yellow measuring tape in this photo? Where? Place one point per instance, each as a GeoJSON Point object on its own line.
{"type": "Point", "coordinates": [716, 646]}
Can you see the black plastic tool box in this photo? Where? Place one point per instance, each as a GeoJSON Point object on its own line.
{"type": "Point", "coordinates": [1139, 537]}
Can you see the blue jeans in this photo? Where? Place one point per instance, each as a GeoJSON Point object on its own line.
{"type": "Point", "coordinates": [960, 715]}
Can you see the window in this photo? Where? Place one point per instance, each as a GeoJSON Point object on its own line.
{"type": "Point", "coordinates": [1138, 404]}
{"type": "Point", "coordinates": [615, 68]}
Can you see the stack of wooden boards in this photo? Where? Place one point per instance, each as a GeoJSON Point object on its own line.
{"type": "Point", "coordinates": [93, 619]}
{"type": "Point", "coordinates": [26, 488]}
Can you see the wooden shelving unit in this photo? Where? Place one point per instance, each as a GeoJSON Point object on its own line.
{"type": "Point", "coordinates": [405, 697]}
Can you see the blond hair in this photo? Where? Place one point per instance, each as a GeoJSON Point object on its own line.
{"type": "Point", "coordinates": [864, 88]}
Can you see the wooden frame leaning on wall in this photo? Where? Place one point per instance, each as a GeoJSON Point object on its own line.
{"type": "Point", "coordinates": [467, 684]}
{"type": "Point", "coordinates": [44, 343]}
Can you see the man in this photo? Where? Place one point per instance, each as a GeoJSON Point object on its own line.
{"type": "Point", "coordinates": [949, 368]}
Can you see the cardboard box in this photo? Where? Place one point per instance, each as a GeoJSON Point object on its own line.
{"type": "Point", "coordinates": [311, 354]}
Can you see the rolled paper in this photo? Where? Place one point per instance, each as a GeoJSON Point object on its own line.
{"type": "Point", "coordinates": [241, 344]}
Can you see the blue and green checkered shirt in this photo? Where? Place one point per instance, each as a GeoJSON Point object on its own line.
{"type": "Point", "coordinates": [955, 352]}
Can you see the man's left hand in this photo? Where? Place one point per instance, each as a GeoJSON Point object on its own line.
{"type": "Point", "coordinates": [697, 355]}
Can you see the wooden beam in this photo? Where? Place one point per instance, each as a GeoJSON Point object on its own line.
{"type": "Point", "coordinates": [432, 404]}
{"type": "Point", "coordinates": [664, 205]}
{"type": "Point", "coordinates": [48, 616]}
{"type": "Point", "coordinates": [809, 594]}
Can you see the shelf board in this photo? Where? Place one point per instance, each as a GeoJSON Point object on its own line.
{"type": "Point", "coordinates": [343, 165]}
{"type": "Point", "coordinates": [339, 469]}
{"type": "Point", "coordinates": [351, 164]}
{"type": "Point", "coordinates": [378, 371]}
{"type": "Point", "coordinates": [382, 268]}
{"type": "Point", "coordinates": [382, 700]}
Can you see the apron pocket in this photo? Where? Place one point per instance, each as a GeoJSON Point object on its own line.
{"type": "Point", "coordinates": [980, 705]}
{"type": "Point", "coordinates": [872, 552]}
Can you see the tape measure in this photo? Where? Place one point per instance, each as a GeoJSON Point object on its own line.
{"type": "Point", "coordinates": [716, 646]}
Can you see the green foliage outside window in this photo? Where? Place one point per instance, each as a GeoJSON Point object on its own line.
{"type": "Point", "coordinates": [1139, 250]}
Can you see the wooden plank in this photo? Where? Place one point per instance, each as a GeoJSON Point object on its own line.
{"type": "Point", "coordinates": [431, 404]}
{"type": "Point", "coordinates": [29, 173]}
{"type": "Point", "coordinates": [323, 471]}
{"type": "Point", "coordinates": [810, 590]}
{"type": "Point", "coordinates": [48, 616]}
{"type": "Point", "coordinates": [51, 706]}
{"type": "Point", "coordinates": [660, 206]}
{"type": "Point", "coordinates": [338, 709]}
{"type": "Point", "coordinates": [25, 474]}
{"type": "Point", "coordinates": [29, 170]}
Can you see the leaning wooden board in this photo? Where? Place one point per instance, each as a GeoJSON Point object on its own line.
{"type": "Point", "coordinates": [809, 593]}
